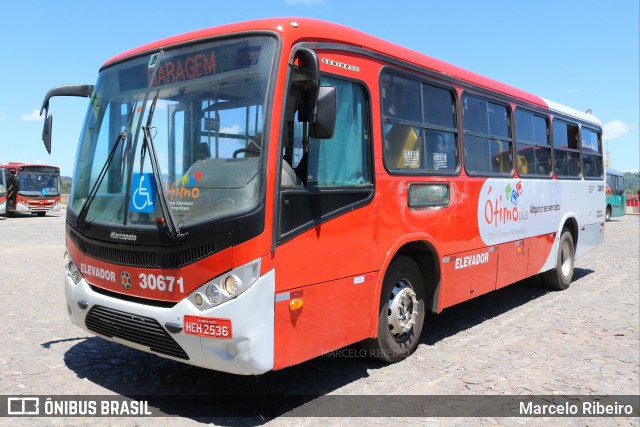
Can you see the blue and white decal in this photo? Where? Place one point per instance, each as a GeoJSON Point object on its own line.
{"type": "Point", "coordinates": [143, 193]}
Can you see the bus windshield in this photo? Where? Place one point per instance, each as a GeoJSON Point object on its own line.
{"type": "Point", "coordinates": [33, 183]}
{"type": "Point", "coordinates": [209, 104]}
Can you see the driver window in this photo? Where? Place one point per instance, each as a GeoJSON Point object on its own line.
{"type": "Point", "coordinates": [341, 161]}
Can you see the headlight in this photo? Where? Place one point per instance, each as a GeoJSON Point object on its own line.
{"type": "Point", "coordinates": [231, 285]}
{"type": "Point", "coordinates": [214, 294]}
{"type": "Point", "coordinates": [72, 269]}
{"type": "Point", "coordinates": [227, 286]}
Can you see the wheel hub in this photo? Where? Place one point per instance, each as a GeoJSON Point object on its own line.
{"type": "Point", "coordinates": [403, 309]}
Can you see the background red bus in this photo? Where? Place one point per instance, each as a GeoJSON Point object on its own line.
{"type": "Point", "coordinates": [32, 188]}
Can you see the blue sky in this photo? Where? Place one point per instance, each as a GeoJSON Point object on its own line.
{"type": "Point", "coordinates": [581, 53]}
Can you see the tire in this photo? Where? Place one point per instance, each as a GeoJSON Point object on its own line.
{"type": "Point", "coordinates": [402, 312]}
{"type": "Point", "coordinates": [607, 215]}
{"type": "Point", "coordinates": [559, 278]}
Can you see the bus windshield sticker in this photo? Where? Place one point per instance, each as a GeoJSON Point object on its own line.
{"type": "Point", "coordinates": [143, 193]}
{"type": "Point", "coordinates": [439, 161]}
{"type": "Point", "coordinates": [411, 158]}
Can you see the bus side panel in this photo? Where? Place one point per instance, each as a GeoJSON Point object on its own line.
{"type": "Point", "coordinates": [466, 275]}
{"type": "Point", "coordinates": [539, 250]}
{"type": "Point", "coordinates": [590, 237]}
{"type": "Point", "coordinates": [512, 262]}
{"type": "Point", "coordinates": [333, 314]}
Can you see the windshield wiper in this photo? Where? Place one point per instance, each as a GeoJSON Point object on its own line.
{"type": "Point", "coordinates": [149, 146]}
{"type": "Point", "coordinates": [81, 222]}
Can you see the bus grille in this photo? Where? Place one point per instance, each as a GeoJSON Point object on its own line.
{"type": "Point", "coordinates": [131, 327]}
{"type": "Point", "coordinates": [151, 257]}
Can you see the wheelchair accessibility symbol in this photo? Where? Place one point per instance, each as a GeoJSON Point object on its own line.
{"type": "Point", "coordinates": [143, 193]}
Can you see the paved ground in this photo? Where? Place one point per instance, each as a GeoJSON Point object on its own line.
{"type": "Point", "coordinates": [519, 340]}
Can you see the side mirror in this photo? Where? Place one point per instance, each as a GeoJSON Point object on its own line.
{"type": "Point", "coordinates": [323, 122]}
{"type": "Point", "coordinates": [321, 105]}
{"type": "Point", "coordinates": [46, 132]}
{"type": "Point", "coordinates": [83, 91]}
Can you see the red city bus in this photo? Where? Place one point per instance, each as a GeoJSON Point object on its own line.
{"type": "Point", "coordinates": [3, 191]}
{"type": "Point", "coordinates": [254, 195]}
{"type": "Point", "coordinates": [32, 188]}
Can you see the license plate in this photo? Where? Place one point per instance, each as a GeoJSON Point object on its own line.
{"type": "Point", "coordinates": [207, 327]}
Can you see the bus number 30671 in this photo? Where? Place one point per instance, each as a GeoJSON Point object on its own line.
{"type": "Point", "coordinates": [160, 282]}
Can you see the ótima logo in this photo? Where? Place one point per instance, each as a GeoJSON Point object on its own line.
{"type": "Point", "coordinates": [143, 193]}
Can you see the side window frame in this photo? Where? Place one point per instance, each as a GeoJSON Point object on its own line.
{"type": "Point", "coordinates": [468, 134]}
{"type": "Point", "coordinates": [532, 144]}
{"type": "Point", "coordinates": [420, 127]}
{"type": "Point", "coordinates": [598, 155]}
{"type": "Point", "coordinates": [301, 206]}
{"type": "Point", "coordinates": [565, 150]}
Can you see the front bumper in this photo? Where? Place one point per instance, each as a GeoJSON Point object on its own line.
{"type": "Point", "coordinates": [249, 351]}
{"type": "Point", "coordinates": [33, 207]}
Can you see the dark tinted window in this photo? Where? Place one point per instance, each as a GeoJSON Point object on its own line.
{"type": "Point", "coordinates": [591, 154]}
{"type": "Point", "coordinates": [565, 135]}
{"type": "Point", "coordinates": [401, 98]}
{"type": "Point", "coordinates": [533, 153]}
{"type": "Point", "coordinates": [420, 134]}
{"type": "Point", "coordinates": [486, 143]}
{"type": "Point", "coordinates": [567, 156]}
{"type": "Point", "coordinates": [438, 106]}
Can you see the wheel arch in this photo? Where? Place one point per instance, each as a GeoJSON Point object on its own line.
{"type": "Point", "coordinates": [422, 250]}
{"type": "Point", "coordinates": [571, 224]}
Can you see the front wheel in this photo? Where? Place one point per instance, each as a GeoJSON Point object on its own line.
{"type": "Point", "coordinates": [401, 314]}
{"type": "Point", "coordinates": [607, 215]}
{"type": "Point", "coordinates": [560, 277]}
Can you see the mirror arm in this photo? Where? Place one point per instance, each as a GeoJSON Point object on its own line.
{"type": "Point", "coordinates": [310, 59]}
{"type": "Point", "coordinates": [83, 91]}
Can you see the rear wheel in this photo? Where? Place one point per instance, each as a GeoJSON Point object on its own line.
{"type": "Point", "coordinates": [560, 277]}
{"type": "Point", "coordinates": [401, 314]}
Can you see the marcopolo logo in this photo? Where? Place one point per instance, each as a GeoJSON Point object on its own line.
{"type": "Point", "coordinates": [123, 236]}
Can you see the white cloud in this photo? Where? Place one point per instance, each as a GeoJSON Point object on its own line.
{"type": "Point", "coordinates": [235, 130]}
{"type": "Point", "coordinates": [33, 117]}
{"type": "Point", "coordinates": [305, 2]}
{"type": "Point", "coordinates": [615, 129]}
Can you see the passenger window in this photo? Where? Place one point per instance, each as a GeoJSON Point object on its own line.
{"type": "Point", "coordinates": [533, 152]}
{"type": "Point", "coordinates": [487, 144]}
{"type": "Point", "coordinates": [591, 154]}
{"type": "Point", "coordinates": [401, 98]}
{"type": "Point", "coordinates": [565, 143]}
{"type": "Point", "coordinates": [424, 139]}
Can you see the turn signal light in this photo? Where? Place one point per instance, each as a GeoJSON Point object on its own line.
{"type": "Point", "coordinates": [296, 304]}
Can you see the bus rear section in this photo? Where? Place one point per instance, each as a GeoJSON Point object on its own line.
{"type": "Point", "coordinates": [271, 193]}
{"type": "Point", "coordinates": [32, 189]}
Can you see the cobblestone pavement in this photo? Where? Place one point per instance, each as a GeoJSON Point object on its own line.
{"type": "Point", "coordinates": [518, 340]}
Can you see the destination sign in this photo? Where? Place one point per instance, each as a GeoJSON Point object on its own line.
{"type": "Point", "coordinates": [190, 65]}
